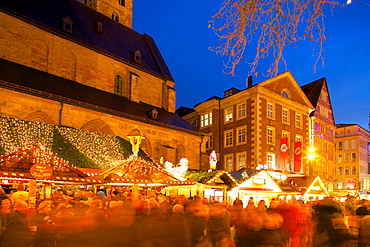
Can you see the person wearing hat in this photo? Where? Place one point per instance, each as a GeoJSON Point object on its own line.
{"type": "Point", "coordinates": [46, 229]}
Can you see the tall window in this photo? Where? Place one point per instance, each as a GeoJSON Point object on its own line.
{"type": "Point", "coordinates": [228, 114]}
{"type": "Point", "coordinates": [241, 111]}
{"type": "Point", "coordinates": [241, 135]}
{"type": "Point", "coordinates": [270, 135]}
{"type": "Point", "coordinates": [229, 138]}
{"type": "Point", "coordinates": [229, 163]}
{"type": "Point", "coordinates": [285, 135]}
{"type": "Point", "coordinates": [298, 122]}
{"type": "Point", "coordinates": [240, 159]}
{"type": "Point", "coordinates": [346, 157]}
{"type": "Point", "coordinates": [353, 170]}
{"type": "Point", "coordinates": [353, 144]}
{"type": "Point", "coordinates": [346, 145]}
{"type": "Point", "coordinates": [270, 110]}
{"type": "Point", "coordinates": [340, 158]}
{"type": "Point", "coordinates": [271, 161]}
{"type": "Point", "coordinates": [353, 157]}
{"type": "Point", "coordinates": [298, 138]}
{"type": "Point", "coordinates": [209, 143]}
{"type": "Point", "coordinates": [121, 2]}
{"type": "Point", "coordinates": [206, 120]}
{"type": "Point", "coordinates": [340, 171]}
{"type": "Point", "coordinates": [346, 170]}
{"type": "Point", "coordinates": [118, 85]}
{"type": "Point", "coordinates": [340, 146]}
{"type": "Point", "coordinates": [285, 116]}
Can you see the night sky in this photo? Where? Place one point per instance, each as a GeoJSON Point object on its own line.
{"type": "Point", "coordinates": [181, 33]}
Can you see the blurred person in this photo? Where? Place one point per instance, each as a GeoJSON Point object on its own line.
{"type": "Point", "coordinates": [261, 207]}
{"type": "Point", "coordinates": [361, 208]}
{"type": "Point", "coordinates": [196, 215]}
{"type": "Point", "coordinates": [45, 236]}
{"type": "Point", "coordinates": [20, 195]}
{"type": "Point", "coordinates": [3, 195]}
{"type": "Point", "coordinates": [17, 232]}
{"type": "Point", "coordinates": [218, 222]}
{"type": "Point", "coordinates": [5, 212]}
{"type": "Point", "coordinates": [349, 206]}
{"type": "Point", "coordinates": [325, 233]}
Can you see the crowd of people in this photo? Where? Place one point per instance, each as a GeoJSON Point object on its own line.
{"type": "Point", "coordinates": [83, 218]}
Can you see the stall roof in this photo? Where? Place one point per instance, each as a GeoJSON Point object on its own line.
{"type": "Point", "coordinates": [38, 162]}
{"type": "Point", "coordinates": [136, 170]}
{"type": "Point", "coordinates": [222, 177]}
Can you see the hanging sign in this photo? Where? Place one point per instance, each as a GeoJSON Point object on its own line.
{"type": "Point", "coordinates": [41, 171]}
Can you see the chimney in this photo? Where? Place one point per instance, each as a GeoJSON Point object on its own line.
{"type": "Point", "coordinates": [249, 81]}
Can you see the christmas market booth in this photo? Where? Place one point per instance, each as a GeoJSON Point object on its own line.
{"type": "Point", "coordinates": [138, 175]}
{"type": "Point", "coordinates": [41, 170]}
{"type": "Point", "coordinates": [211, 185]}
{"type": "Point", "coordinates": [261, 185]}
{"type": "Point", "coordinates": [312, 187]}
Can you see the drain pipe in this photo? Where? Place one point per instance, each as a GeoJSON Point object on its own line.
{"type": "Point", "coordinates": [60, 114]}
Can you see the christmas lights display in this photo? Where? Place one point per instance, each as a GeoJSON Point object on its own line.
{"type": "Point", "coordinates": [78, 148]}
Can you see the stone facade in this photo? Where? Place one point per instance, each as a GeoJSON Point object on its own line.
{"type": "Point", "coordinates": [44, 49]}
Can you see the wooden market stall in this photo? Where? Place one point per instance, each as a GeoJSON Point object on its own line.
{"type": "Point", "coordinates": [135, 173]}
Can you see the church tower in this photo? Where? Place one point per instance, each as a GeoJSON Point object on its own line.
{"type": "Point", "coordinates": [118, 10]}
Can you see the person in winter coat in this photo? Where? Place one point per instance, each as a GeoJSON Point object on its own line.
{"type": "Point", "coordinates": [46, 229]}
{"type": "Point", "coordinates": [17, 232]}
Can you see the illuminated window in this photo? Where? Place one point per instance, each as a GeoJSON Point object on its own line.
{"type": "Point", "coordinates": [118, 85]}
{"type": "Point", "coordinates": [271, 161]}
{"type": "Point", "coordinates": [270, 136]}
{"type": "Point", "coordinates": [229, 138]}
{"type": "Point", "coordinates": [270, 110]}
{"type": "Point", "coordinates": [298, 138]}
{"type": "Point", "coordinates": [241, 135]}
{"type": "Point", "coordinates": [209, 143]}
{"type": "Point", "coordinates": [240, 159]}
{"type": "Point", "coordinates": [340, 171]}
{"type": "Point", "coordinates": [298, 122]}
{"type": "Point", "coordinates": [353, 157]}
{"type": "Point", "coordinates": [340, 158]}
{"type": "Point", "coordinates": [229, 163]}
{"type": "Point", "coordinates": [228, 114]}
{"type": "Point", "coordinates": [285, 135]}
{"type": "Point", "coordinates": [285, 116]}
{"type": "Point", "coordinates": [241, 111]}
{"type": "Point", "coordinates": [206, 120]}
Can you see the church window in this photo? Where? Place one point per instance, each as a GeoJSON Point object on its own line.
{"type": "Point", "coordinates": [121, 2]}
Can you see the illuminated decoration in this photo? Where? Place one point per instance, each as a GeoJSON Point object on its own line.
{"type": "Point", "coordinates": [316, 188]}
{"type": "Point", "coordinates": [180, 170]}
{"type": "Point", "coordinates": [223, 177]}
{"type": "Point", "coordinates": [212, 160]}
{"type": "Point", "coordinates": [255, 184]}
{"type": "Point", "coordinates": [136, 170]}
{"type": "Point", "coordinates": [135, 140]}
{"type": "Point", "coordinates": [351, 183]}
{"type": "Point", "coordinates": [80, 148]}
{"type": "Point", "coordinates": [38, 162]}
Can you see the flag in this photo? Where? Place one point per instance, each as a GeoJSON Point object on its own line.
{"type": "Point", "coordinates": [297, 156]}
{"type": "Point", "coordinates": [283, 153]}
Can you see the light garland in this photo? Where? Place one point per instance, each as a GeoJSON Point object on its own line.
{"type": "Point", "coordinates": [104, 150]}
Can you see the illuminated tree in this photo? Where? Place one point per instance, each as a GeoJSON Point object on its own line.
{"type": "Point", "coordinates": [276, 24]}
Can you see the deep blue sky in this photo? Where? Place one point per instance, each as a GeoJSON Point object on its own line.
{"type": "Point", "coordinates": [181, 33]}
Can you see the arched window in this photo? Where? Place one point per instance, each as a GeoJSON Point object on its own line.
{"type": "Point", "coordinates": [285, 93]}
{"type": "Point", "coordinates": [115, 17]}
{"type": "Point", "coordinates": [118, 85]}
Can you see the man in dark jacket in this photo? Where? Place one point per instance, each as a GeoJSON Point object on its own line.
{"type": "Point", "coordinates": [17, 233]}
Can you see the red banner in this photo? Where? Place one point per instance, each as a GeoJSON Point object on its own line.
{"type": "Point", "coordinates": [283, 153]}
{"type": "Point", "coordinates": [297, 156]}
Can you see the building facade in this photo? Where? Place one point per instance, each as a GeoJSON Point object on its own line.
{"type": "Point", "coordinates": [79, 64]}
{"type": "Point", "coordinates": [265, 125]}
{"type": "Point", "coordinates": [321, 158]}
{"type": "Point", "coordinates": [352, 155]}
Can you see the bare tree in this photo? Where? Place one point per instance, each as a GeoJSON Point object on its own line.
{"type": "Point", "coordinates": [277, 24]}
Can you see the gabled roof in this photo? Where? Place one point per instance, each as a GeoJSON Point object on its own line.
{"type": "Point", "coordinates": [222, 177]}
{"type": "Point", "coordinates": [115, 40]}
{"type": "Point", "coordinates": [313, 90]}
{"type": "Point", "coordinates": [139, 171]}
{"type": "Point", "coordinates": [260, 182]}
{"type": "Point", "coordinates": [20, 164]}
{"type": "Point", "coordinates": [35, 82]}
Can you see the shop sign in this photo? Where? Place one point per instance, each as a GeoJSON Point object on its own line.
{"type": "Point", "coordinates": [41, 171]}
